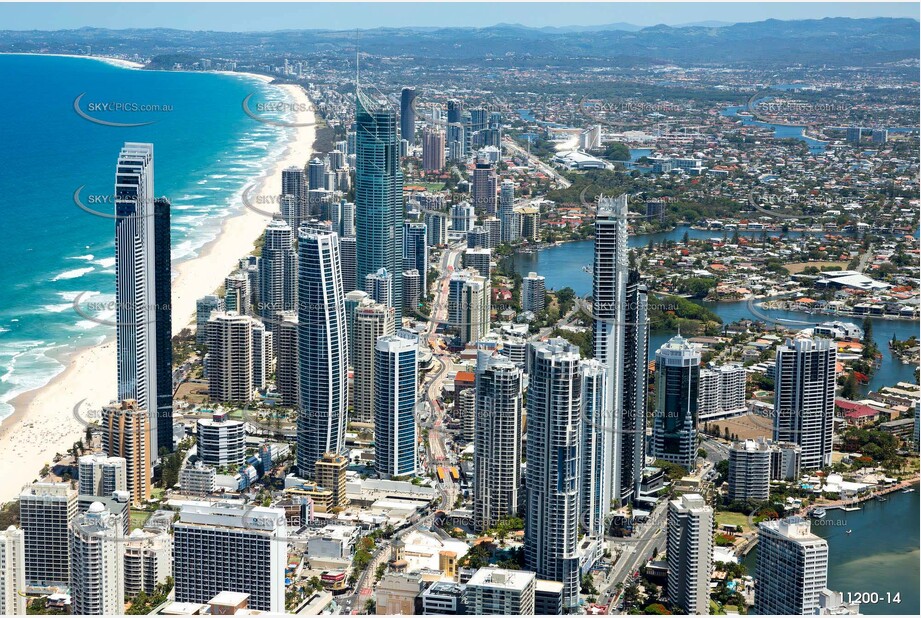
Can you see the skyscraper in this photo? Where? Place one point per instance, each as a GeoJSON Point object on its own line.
{"type": "Point", "coordinates": [804, 398]}
{"type": "Point", "coordinates": [463, 217]}
{"type": "Point", "coordinates": [408, 114]}
{"type": "Point", "coordinates": [497, 440]}
{"type": "Point", "coordinates": [533, 293]}
{"type": "Point", "coordinates": [45, 512]}
{"type": "Point", "coordinates": [316, 175]}
{"type": "Point", "coordinates": [479, 260]}
{"type": "Point", "coordinates": [372, 321]}
{"type": "Point", "coordinates": [433, 149]}
{"type": "Point", "coordinates": [126, 433]}
{"type": "Point", "coordinates": [468, 305]}
{"type": "Point", "coordinates": [510, 226]}
{"type": "Point", "coordinates": [690, 553]}
{"type": "Point", "coordinates": [379, 286]}
{"type": "Point", "coordinates": [675, 422]}
{"type": "Point", "coordinates": [97, 572]}
{"type": "Point", "coordinates": [750, 470]}
{"type": "Point", "coordinates": [323, 357]}
{"type": "Point", "coordinates": [594, 481]}
{"type": "Point", "coordinates": [792, 568]}
{"type": "Point", "coordinates": [484, 187]}
{"type": "Point", "coordinates": [378, 194]}
{"type": "Point", "coordinates": [286, 369]}
{"type": "Point", "coordinates": [100, 475]}
{"type": "Point", "coordinates": [553, 472]}
{"type": "Point", "coordinates": [455, 110]}
{"type": "Point", "coordinates": [230, 357]}
{"type": "Point", "coordinates": [294, 183]}
{"type": "Point", "coordinates": [348, 255]}
{"type": "Point", "coordinates": [415, 250]}
{"type": "Point", "coordinates": [204, 306]}
{"type": "Point", "coordinates": [142, 289]}
{"type": "Point", "coordinates": [277, 273]}
{"type": "Point", "coordinates": [12, 572]}
{"type": "Point", "coordinates": [163, 319]}
{"type": "Point", "coordinates": [620, 335]}
{"type": "Point", "coordinates": [396, 378]}
{"type": "Point", "coordinates": [221, 547]}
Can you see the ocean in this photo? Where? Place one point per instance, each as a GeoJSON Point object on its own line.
{"type": "Point", "coordinates": [206, 150]}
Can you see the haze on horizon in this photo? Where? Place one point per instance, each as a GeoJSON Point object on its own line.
{"type": "Point", "coordinates": [253, 17]}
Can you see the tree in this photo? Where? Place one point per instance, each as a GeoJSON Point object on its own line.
{"type": "Point", "coordinates": [867, 330]}
{"type": "Point", "coordinates": [851, 389]}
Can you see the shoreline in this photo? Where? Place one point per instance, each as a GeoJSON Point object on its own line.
{"type": "Point", "coordinates": [118, 62]}
{"type": "Point", "coordinates": [44, 420]}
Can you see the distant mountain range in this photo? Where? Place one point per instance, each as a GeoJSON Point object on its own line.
{"type": "Point", "coordinates": [830, 41]}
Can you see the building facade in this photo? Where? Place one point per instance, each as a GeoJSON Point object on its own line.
{"type": "Point", "coordinates": [497, 440]}
{"type": "Point", "coordinates": [675, 420]}
{"type": "Point", "coordinates": [554, 442]}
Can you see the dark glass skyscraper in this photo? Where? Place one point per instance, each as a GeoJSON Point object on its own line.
{"type": "Point", "coordinates": [408, 114]}
{"type": "Point", "coordinates": [378, 194]}
{"type": "Point", "coordinates": [142, 291]}
{"type": "Point", "coordinates": [164, 324]}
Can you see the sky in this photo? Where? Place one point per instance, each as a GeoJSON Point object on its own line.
{"type": "Point", "coordinates": [236, 17]}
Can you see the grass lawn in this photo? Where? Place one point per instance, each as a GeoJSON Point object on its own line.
{"type": "Point", "coordinates": [738, 519]}
{"type": "Point", "coordinates": [138, 519]}
{"type": "Point", "coordinates": [798, 267]}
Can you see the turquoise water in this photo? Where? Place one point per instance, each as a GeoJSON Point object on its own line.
{"type": "Point", "coordinates": [880, 555]}
{"type": "Point", "coordinates": [206, 150]}
{"type": "Point", "coordinates": [562, 265]}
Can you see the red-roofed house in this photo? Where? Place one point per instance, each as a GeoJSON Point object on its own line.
{"type": "Point", "coordinates": [857, 414]}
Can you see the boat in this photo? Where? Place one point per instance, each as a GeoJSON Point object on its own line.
{"type": "Point", "coordinates": [818, 512]}
{"type": "Point", "coordinates": [907, 491]}
{"type": "Point", "coordinates": [849, 531]}
{"type": "Point", "coordinates": [881, 499]}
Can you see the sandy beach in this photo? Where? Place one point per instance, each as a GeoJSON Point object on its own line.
{"type": "Point", "coordinates": [44, 422]}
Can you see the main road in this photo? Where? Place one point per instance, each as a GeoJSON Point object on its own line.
{"type": "Point", "coordinates": [635, 551]}
{"type": "Point", "coordinates": [537, 163]}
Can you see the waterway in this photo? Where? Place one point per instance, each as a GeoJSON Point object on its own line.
{"type": "Point", "coordinates": [880, 555]}
{"type": "Point", "coordinates": [564, 266]}
{"type": "Point", "coordinates": [780, 131]}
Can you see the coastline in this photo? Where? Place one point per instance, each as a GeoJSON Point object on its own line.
{"type": "Point", "coordinates": [119, 62]}
{"type": "Point", "coordinates": [43, 421]}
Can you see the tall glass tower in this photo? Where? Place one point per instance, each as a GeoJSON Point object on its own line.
{"type": "Point", "coordinates": [142, 291]}
{"type": "Point", "coordinates": [674, 432]}
{"type": "Point", "coordinates": [396, 379]}
{"type": "Point", "coordinates": [322, 349]}
{"type": "Point", "coordinates": [378, 194]}
{"type": "Point", "coordinates": [620, 334]}
{"type": "Point", "coordinates": [553, 470]}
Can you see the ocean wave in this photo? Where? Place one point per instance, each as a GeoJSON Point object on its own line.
{"type": "Point", "coordinates": [73, 274]}
{"type": "Point", "coordinates": [28, 369]}
{"type": "Point", "coordinates": [189, 198]}
{"type": "Point", "coordinates": [106, 262]}
{"type": "Point", "coordinates": [82, 295]}
{"type": "Point", "coordinates": [88, 257]}
{"type": "Point", "coordinates": [58, 308]}
{"type": "Point", "coordinates": [218, 176]}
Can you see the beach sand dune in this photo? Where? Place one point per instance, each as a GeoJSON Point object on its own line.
{"type": "Point", "coordinates": [44, 421]}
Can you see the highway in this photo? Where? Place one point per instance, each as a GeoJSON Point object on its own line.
{"type": "Point", "coordinates": [537, 163]}
{"type": "Point", "coordinates": [635, 551]}
{"type": "Point", "coordinates": [437, 453]}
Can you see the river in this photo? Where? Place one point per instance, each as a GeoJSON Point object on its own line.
{"type": "Point", "coordinates": [562, 265]}
{"type": "Point", "coordinates": [880, 555]}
